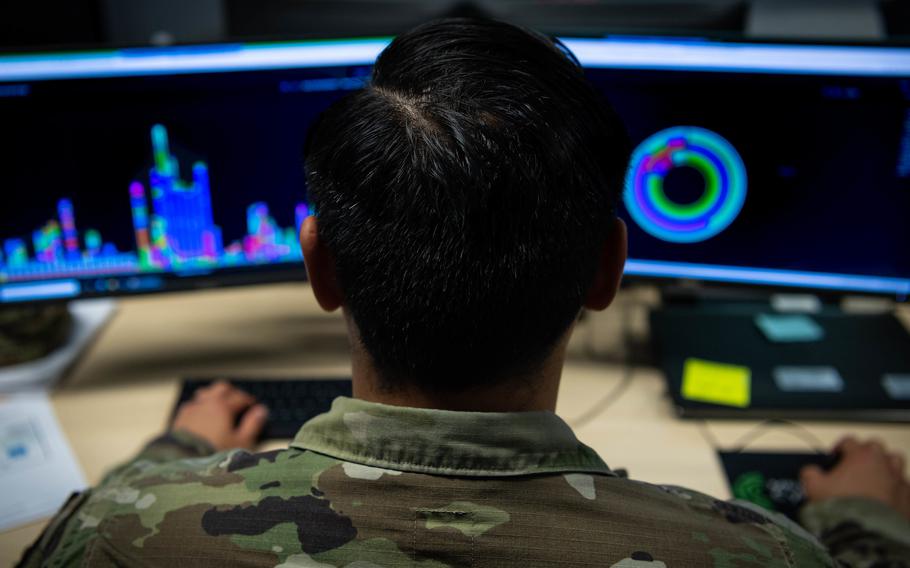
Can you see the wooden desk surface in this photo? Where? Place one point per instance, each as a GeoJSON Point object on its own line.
{"type": "Point", "coordinates": [121, 393]}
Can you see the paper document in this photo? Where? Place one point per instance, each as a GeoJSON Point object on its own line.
{"type": "Point", "coordinates": [38, 470]}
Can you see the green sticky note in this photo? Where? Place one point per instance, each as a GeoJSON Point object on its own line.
{"type": "Point", "coordinates": [717, 383]}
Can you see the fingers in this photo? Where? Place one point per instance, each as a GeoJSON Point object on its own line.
{"type": "Point", "coordinates": [897, 463]}
{"type": "Point", "coordinates": [235, 399]}
{"type": "Point", "coordinates": [876, 446]}
{"type": "Point", "coordinates": [811, 476]}
{"type": "Point", "coordinates": [215, 390]}
{"type": "Point", "coordinates": [903, 504]}
{"type": "Point", "coordinates": [872, 448]}
{"type": "Point", "coordinates": [847, 445]}
{"type": "Point", "coordinates": [184, 409]}
{"type": "Point", "coordinates": [864, 469]}
{"type": "Point", "coordinates": [251, 425]}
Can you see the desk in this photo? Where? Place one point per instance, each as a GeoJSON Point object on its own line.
{"type": "Point", "coordinates": [122, 391]}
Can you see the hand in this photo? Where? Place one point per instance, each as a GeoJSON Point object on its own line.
{"type": "Point", "coordinates": [865, 469]}
{"type": "Point", "coordinates": [212, 413]}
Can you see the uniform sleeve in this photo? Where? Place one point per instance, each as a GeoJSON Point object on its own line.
{"type": "Point", "coordinates": [860, 532]}
{"type": "Point", "coordinates": [845, 532]}
{"type": "Point", "coordinates": [854, 532]}
{"type": "Point", "coordinates": [170, 446]}
{"type": "Point", "coordinates": [64, 539]}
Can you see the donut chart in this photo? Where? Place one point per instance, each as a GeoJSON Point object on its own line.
{"type": "Point", "coordinates": [708, 153]}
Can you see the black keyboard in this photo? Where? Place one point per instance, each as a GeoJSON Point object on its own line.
{"type": "Point", "coordinates": [291, 402]}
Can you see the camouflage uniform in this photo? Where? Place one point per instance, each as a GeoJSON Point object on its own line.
{"type": "Point", "coordinates": [372, 485]}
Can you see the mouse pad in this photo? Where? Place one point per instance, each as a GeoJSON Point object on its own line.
{"type": "Point", "coordinates": [769, 480]}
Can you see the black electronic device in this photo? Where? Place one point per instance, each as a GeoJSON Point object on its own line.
{"type": "Point", "coordinates": [291, 402]}
{"type": "Point", "coordinates": [770, 480]}
{"type": "Point", "coordinates": [857, 369]}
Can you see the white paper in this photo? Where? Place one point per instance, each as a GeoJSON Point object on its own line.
{"type": "Point", "coordinates": [38, 470]}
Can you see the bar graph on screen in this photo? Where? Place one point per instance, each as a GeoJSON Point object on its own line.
{"type": "Point", "coordinates": [174, 230]}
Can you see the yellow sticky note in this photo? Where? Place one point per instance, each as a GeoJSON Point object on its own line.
{"type": "Point", "coordinates": [717, 383]}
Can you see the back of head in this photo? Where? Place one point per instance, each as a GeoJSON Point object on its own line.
{"type": "Point", "coordinates": [465, 196]}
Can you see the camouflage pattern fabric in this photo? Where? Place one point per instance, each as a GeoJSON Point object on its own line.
{"type": "Point", "coordinates": [31, 332]}
{"type": "Point", "coordinates": [369, 485]}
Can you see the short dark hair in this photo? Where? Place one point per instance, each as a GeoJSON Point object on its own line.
{"type": "Point", "coordinates": [465, 196]}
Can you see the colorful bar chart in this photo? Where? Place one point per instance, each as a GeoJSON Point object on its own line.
{"type": "Point", "coordinates": [174, 230]}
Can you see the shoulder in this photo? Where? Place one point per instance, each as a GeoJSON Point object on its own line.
{"type": "Point", "coordinates": [618, 518]}
{"type": "Point", "coordinates": [736, 531]}
{"type": "Point", "coordinates": [207, 500]}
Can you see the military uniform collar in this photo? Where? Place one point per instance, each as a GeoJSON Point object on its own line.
{"type": "Point", "coordinates": [446, 442]}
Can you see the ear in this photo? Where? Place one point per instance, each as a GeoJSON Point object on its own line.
{"type": "Point", "coordinates": [320, 267]}
{"type": "Point", "coordinates": [609, 269]}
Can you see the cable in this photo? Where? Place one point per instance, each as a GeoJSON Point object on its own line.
{"type": "Point", "coordinates": [604, 403]}
{"type": "Point", "coordinates": [707, 435]}
{"type": "Point", "coordinates": [759, 430]}
{"type": "Point", "coordinates": [628, 372]}
{"type": "Point", "coordinates": [796, 430]}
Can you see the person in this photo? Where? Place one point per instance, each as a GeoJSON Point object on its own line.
{"type": "Point", "coordinates": [466, 205]}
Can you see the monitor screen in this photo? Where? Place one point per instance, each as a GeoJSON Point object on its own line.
{"type": "Point", "coordinates": [780, 165]}
{"type": "Point", "coordinates": [159, 169]}
{"type": "Point", "coordinates": [144, 170]}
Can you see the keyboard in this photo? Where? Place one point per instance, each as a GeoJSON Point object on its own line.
{"type": "Point", "coordinates": [291, 402]}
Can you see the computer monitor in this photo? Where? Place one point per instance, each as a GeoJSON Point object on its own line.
{"type": "Point", "coordinates": [763, 164]}
{"type": "Point", "coordinates": [146, 170]}
{"type": "Point", "coordinates": [154, 169]}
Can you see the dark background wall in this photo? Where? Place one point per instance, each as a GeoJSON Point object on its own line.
{"type": "Point", "coordinates": [39, 24]}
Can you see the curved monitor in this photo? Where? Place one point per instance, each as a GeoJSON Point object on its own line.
{"type": "Point", "coordinates": [155, 169]}
{"type": "Point", "coordinates": [767, 164]}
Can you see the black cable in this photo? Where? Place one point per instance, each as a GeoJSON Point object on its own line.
{"type": "Point", "coordinates": [759, 430]}
{"type": "Point", "coordinates": [796, 430]}
{"type": "Point", "coordinates": [707, 435]}
{"type": "Point", "coordinates": [604, 403]}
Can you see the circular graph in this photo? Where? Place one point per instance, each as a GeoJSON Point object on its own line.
{"type": "Point", "coordinates": [704, 151]}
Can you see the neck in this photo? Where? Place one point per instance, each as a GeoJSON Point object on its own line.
{"type": "Point", "coordinates": [519, 394]}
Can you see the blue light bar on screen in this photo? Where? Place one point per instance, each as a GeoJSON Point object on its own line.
{"type": "Point", "coordinates": [680, 55]}
{"type": "Point", "coordinates": [667, 54]}
{"type": "Point", "coordinates": [190, 59]}
{"type": "Point", "coordinates": [768, 276]}
{"type": "Point", "coordinates": [46, 290]}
